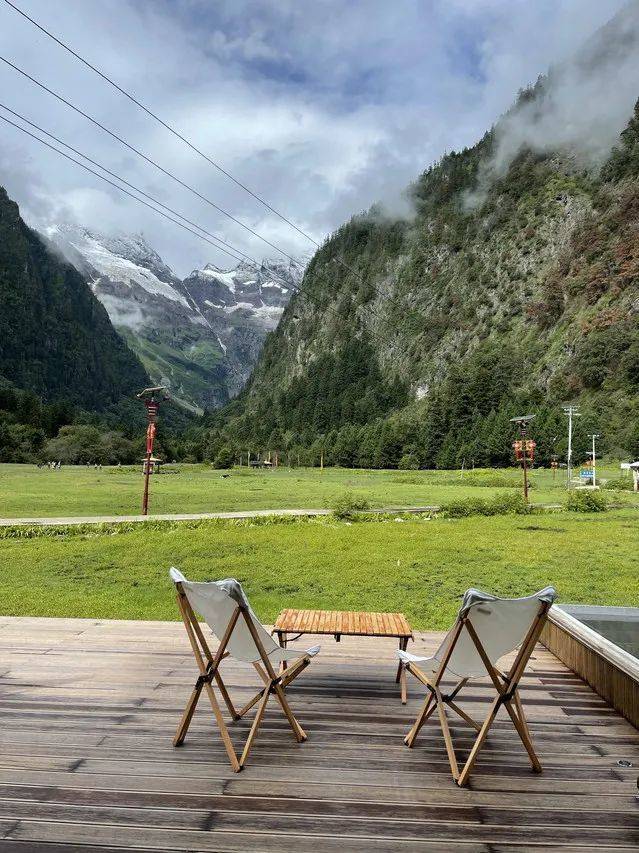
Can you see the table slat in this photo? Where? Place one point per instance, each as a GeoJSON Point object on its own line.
{"type": "Point", "coordinates": [348, 622]}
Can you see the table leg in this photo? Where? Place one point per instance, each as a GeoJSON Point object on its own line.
{"type": "Point", "coordinates": [401, 671]}
{"type": "Point", "coordinates": [281, 637]}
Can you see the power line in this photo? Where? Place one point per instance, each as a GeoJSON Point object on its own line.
{"type": "Point", "coordinates": [222, 244]}
{"type": "Point", "coordinates": [179, 136]}
{"type": "Point", "coordinates": [227, 250]}
{"type": "Point", "coordinates": [289, 285]}
{"type": "Point", "coordinates": [117, 187]}
{"type": "Point", "coordinates": [166, 172]}
{"type": "Point", "coordinates": [161, 121]}
{"type": "Point", "coordinates": [148, 159]}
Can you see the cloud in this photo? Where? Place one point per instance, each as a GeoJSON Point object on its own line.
{"type": "Point", "coordinates": [579, 108]}
{"type": "Point", "coordinates": [322, 108]}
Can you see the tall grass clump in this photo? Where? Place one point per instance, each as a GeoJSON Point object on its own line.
{"type": "Point", "coordinates": [511, 504]}
{"type": "Point", "coordinates": [586, 501]}
{"type": "Point", "coordinates": [346, 505]}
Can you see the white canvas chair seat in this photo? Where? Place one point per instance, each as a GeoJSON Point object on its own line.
{"type": "Point", "coordinates": [426, 664]}
{"type": "Point", "coordinates": [487, 628]}
{"type": "Point", "coordinates": [242, 636]}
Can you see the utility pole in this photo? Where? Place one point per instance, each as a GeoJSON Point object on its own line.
{"type": "Point", "coordinates": [150, 399]}
{"type": "Point", "coordinates": [594, 436]}
{"type": "Point", "coordinates": [572, 412]}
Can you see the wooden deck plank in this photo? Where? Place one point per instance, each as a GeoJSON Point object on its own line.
{"type": "Point", "coordinates": [88, 709]}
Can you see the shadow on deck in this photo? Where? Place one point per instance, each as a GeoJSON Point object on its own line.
{"type": "Point", "coordinates": [88, 710]}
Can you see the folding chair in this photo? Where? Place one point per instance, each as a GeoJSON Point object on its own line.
{"type": "Point", "coordinates": [241, 635]}
{"type": "Point", "coordinates": [487, 628]}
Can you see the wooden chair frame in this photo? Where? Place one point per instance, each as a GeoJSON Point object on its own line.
{"type": "Point", "coordinates": [209, 664]}
{"type": "Point", "coordinates": [505, 684]}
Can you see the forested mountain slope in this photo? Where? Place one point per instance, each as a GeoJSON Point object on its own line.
{"type": "Point", "coordinates": [61, 360]}
{"type": "Point", "coordinates": [514, 288]}
{"type": "Point", "coordinates": [56, 339]}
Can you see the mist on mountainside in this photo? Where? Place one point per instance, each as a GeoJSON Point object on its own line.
{"type": "Point", "coordinates": [514, 288]}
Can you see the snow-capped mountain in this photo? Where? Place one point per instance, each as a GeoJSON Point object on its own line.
{"type": "Point", "coordinates": [262, 291]}
{"type": "Point", "coordinates": [201, 336]}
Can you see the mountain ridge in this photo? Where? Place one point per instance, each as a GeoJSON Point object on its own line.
{"type": "Point", "coordinates": [200, 336]}
{"type": "Point", "coordinates": [57, 340]}
{"type": "Point", "coordinates": [515, 286]}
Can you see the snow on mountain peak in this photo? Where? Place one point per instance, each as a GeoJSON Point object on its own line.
{"type": "Point", "coordinates": [125, 259]}
{"type": "Point", "coordinates": [215, 320]}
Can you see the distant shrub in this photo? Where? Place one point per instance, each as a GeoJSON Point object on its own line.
{"type": "Point", "coordinates": [511, 504]}
{"type": "Point", "coordinates": [586, 501]}
{"type": "Point", "coordinates": [346, 505]}
{"type": "Point", "coordinates": [224, 459]}
{"type": "Point", "coordinates": [409, 462]}
{"type": "Point", "coordinates": [619, 484]}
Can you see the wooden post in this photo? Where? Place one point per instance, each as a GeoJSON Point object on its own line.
{"type": "Point", "coordinates": [322, 461]}
{"type": "Point", "coordinates": [525, 449]}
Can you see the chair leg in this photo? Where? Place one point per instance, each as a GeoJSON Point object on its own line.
{"type": "Point", "coordinates": [224, 732]}
{"type": "Point", "coordinates": [520, 724]}
{"type": "Point", "coordinates": [187, 716]}
{"type": "Point", "coordinates": [254, 728]}
{"type": "Point", "coordinates": [427, 709]}
{"type": "Point", "coordinates": [225, 695]}
{"type": "Point", "coordinates": [298, 731]}
{"type": "Point", "coordinates": [450, 749]}
{"type": "Point", "coordinates": [481, 737]}
{"type": "Point", "coordinates": [250, 703]}
{"type": "Point", "coordinates": [520, 712]}
{"type": "Point", "coordinates": [466, 717]}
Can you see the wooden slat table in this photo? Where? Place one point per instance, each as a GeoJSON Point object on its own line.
{"type": "Point", "coordinates": [348, 623]}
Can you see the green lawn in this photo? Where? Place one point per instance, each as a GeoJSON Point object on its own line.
{"type": "Point", "coordinates": [417, 566]}
{"type": "Point", "coordinates": [81, 491]}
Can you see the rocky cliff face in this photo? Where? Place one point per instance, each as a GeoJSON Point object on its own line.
{"type": "Point", "coordinates": [243, 304]}
{"type": "Point", "coordinates": [200, 337]}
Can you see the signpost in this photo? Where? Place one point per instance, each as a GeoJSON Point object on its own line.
{"type": "Point", "coordinates": [150, 399]}
{"type": "Point", "coordinates": [524, 448]}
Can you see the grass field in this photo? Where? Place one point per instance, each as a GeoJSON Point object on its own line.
{"type": "Point", "coordinates": [81, 491]}
{"type": "Point", "coordinates": [418, 566]}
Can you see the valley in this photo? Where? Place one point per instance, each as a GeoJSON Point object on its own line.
{"type": "Point", "coordinates": [199, 336]}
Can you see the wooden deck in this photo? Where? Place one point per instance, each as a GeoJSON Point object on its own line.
{"type": "Point", "coordinates": [88, 710]}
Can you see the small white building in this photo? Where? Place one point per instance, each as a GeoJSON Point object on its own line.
{"type": "Point", "coordinates": [634, 467]}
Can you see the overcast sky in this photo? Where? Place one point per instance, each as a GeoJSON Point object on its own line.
{"type": "Point", "coordinates": [320, 106]}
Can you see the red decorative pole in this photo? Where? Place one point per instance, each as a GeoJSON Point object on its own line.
{"type": "Point", "coordinates": [148, 397]}
{"type": "Point", "coordinates": [524, 448]}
